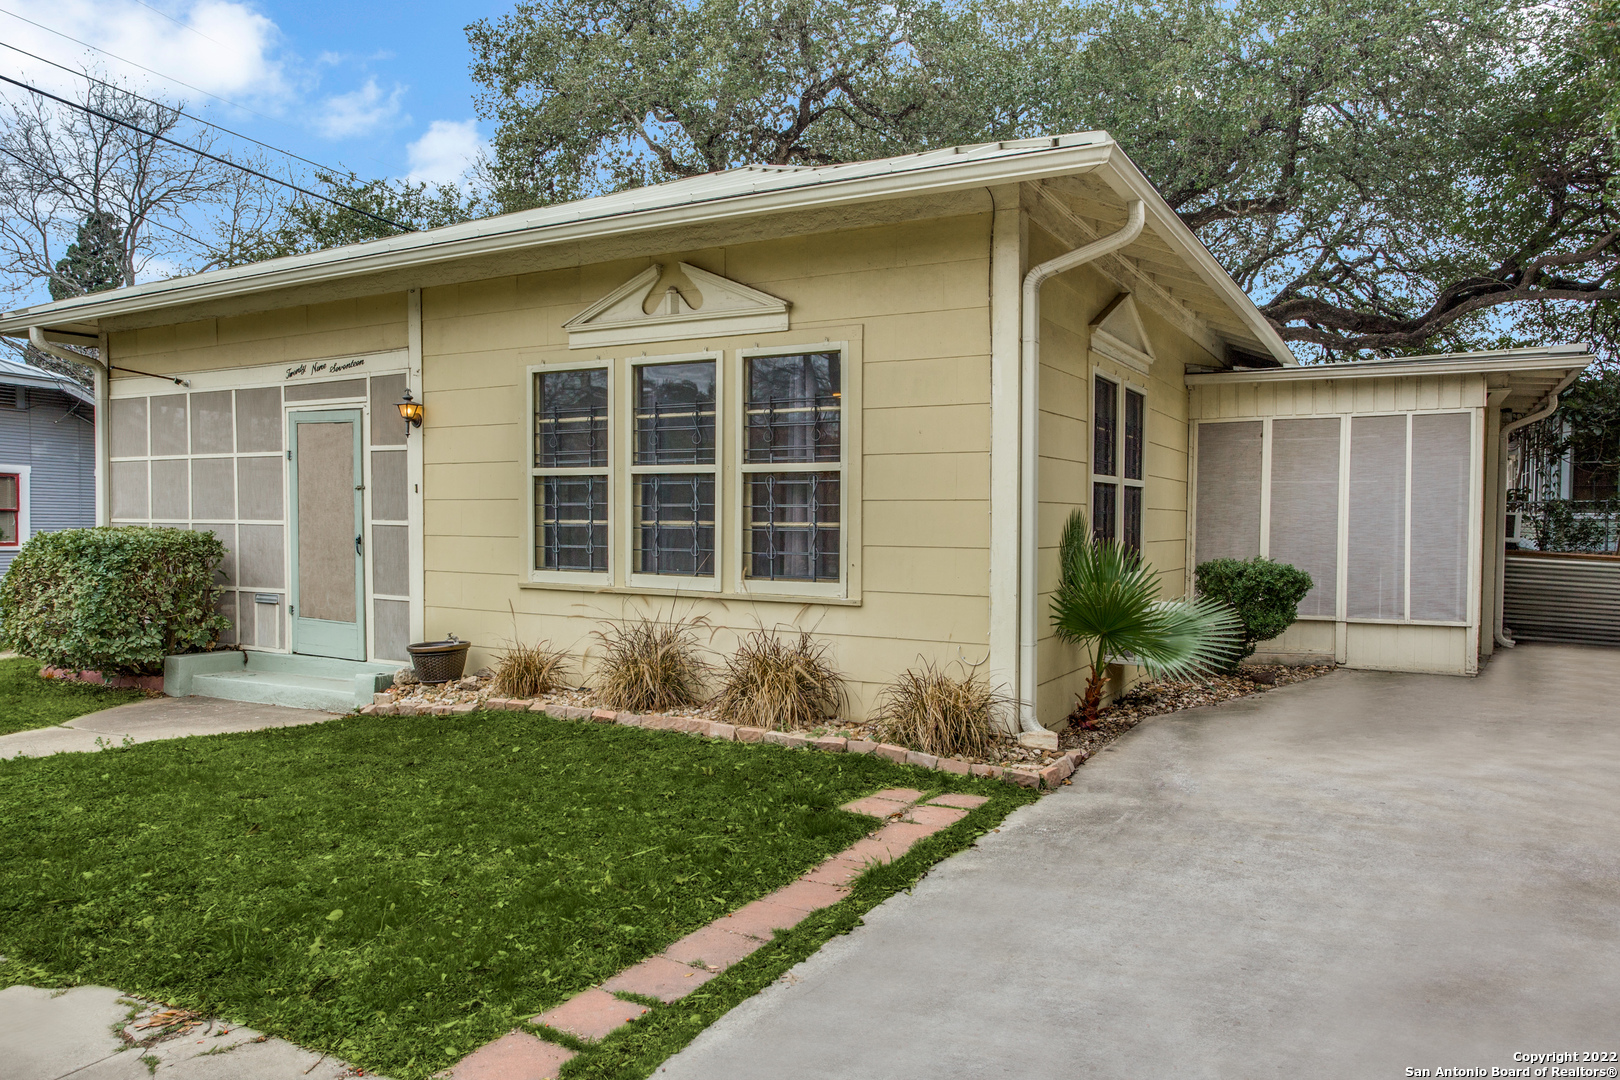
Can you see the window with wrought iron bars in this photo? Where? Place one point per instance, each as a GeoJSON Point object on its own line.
{"type": "Point", "coordinates": [793, 467]}
{"type": "Point", "coordinates": [569, 470]}
{"type": "Point", "coordinates": [1118, 453]}
{"type": "Point", "coordinates": [674, 406]}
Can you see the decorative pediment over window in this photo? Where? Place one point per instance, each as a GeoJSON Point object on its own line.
{"type": "Point", "coordinates": [1117, 332]}
{"type": "Point", "coordinates": [674, 303]}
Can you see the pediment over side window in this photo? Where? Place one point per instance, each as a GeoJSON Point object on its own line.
{"type": "Point", "coordinates": [691, 303]}
{"type": "Point", "coordinates": [1117, 332]}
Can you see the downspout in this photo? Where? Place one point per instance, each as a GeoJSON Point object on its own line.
{"type": "Point", "coordinates": [1029, 449]}
{"type": "Point", "coordinates": [102, 392]}
{"type": "Point", "coordinates": [1498, 631]}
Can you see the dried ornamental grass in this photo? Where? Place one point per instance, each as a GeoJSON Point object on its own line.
{"type": "Point", "coordinates": [650, 665]}
{"type": "Point", "coordinates": [776, 684]}
{"type": "Point", "coordinates": [526, 671]}
{"type": "Point", "coordinates": [928, 710]}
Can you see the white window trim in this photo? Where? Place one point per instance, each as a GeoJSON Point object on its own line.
{"type": "Point", "coordinates": [1120, 480]}
{"type": "Point", "coordinates": [24, 533]}
{"type": "Point", "coordinates": [682, 582]}
{"type": "Point", "coordinates": [592, 578]}
{"type": "Point", "coordinates": [848, 408]}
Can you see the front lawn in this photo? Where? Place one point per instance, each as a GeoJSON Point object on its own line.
{"type": "Point", "coordinates": [28, 701]}
{"type": "Point", "coordinates": [398, 891]}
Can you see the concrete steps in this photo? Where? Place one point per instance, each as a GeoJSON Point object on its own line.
{"type": "Point", "coordinates": [299, 682]}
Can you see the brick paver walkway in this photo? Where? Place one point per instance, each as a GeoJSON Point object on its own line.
{"type": "Point", "coordinates": [703, 954]}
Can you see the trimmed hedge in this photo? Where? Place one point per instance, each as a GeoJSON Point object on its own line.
{"type": "Point", "coordinates": [1264, 593]}
{"type": "Point", "coordinates": [113, 599]}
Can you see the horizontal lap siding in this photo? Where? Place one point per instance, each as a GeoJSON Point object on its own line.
{"type": "Point", "coordinates": [1068, 304]}
{"type": "Point", "coordinates": [287, 335]}
{"type": "Point", "coordinates": [55, 439]}
{"type": "Point", "coordinates": [910, 297]}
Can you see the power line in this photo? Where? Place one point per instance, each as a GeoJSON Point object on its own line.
{"type": "Point", "coordinates": [182, 112]}
{"type": "Point", "coordinates": [203, 153]}
{"type": "Point", "coordinates": [131, 63]}
{"type": "Point", "coordinates": [177, 22]}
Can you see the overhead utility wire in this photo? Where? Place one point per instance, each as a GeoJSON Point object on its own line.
{"type": "Point", "coordinates": [206, 154]}
{"type": "Point", "coordinates": [181, 25]}
{"type": "Point", "coordinates": [131, 63]}
{"type": "Point", "coordinates": [182, 112]}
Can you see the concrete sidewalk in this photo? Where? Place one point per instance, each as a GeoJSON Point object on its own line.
{"type": "Point", "coordinates": [155, 718]}
{"type": "Point", "coordinates": [1341, 878]}
{"type": "Point", "coordinates": [55, 1034]}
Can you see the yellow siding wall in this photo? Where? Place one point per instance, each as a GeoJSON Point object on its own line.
{"type": "Point", "coordinates": [1068, 304]}
{"type": "Point", "coordinates": [290, 335]}
{"type": "Point", "coordinates": [911, 300]}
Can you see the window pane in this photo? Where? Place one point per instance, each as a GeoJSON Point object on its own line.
{"type": "Point", "coordinates": [1103, 502]}
{"type": "Point", "coordinates": [793, 526]}
{"type": "Point", "coordinates": [1305, 505]}
{"type": "Point", "coordinates": [793, 408]}
{"type": "Point", "coordinates": [675, 414]}
{"type": "Point", "coordinates": [675, 525]}
{"type": "Point", "coordinates": [8, 527]}
{"type": "Point", "coordinates": [1104, 428]}
{"type": "Point", "coordinates": [1135, 424]}
{"type": "Point", "coordinates": [1228, 495]}
{"type": "Point", "coordinates": [571, 514]}
{"type": "Point", "coordinates": [1131, 519]}
{"type": "Point", "coordinates": [1376, 573]}
{"type": "Point", "coordinates": [1441, 455]}
{"type": "Point", "coordinates": [570, 419]}
{"type": "Point", "coordinates": [8, 491]}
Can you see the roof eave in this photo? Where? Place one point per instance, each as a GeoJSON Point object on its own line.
{"type": "Point", "coordinates": [1554, 358]}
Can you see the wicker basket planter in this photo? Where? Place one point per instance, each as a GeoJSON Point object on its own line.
{"type": "Point", "coordinates": [439, 661]}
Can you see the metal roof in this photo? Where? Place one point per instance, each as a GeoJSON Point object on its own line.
{"type": "Point", "coordinates": [15, 374]}
{"type": "Point", "coordinates": [1188, 273]}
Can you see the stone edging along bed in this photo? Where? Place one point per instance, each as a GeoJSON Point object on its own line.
{"type": "Point", "coordinates": [1049, 776]}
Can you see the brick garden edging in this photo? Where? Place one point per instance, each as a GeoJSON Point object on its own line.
{"type": "Point", "coordinates": [1049, 777]}
{"type": "Point", "coordinates": [701, 955]}
{"type": "Point", "coordinates": [140, 682]}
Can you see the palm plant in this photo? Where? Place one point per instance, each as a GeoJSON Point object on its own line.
{"type": "Point", "coordinates": [1107, 602]}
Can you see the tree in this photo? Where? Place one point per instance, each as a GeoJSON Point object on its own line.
{"type": "Point", "coordinates": [93, 264]}
{"type": "Point", "coordinates": [303, 224]}
{"type": "Point", "coordinates": [1107, 602]}
{"type": "Point", "coordinates": [1377, 174]}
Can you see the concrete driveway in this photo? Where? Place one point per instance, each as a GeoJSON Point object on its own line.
{"type": "Point", "coordinates": [1342, 878]}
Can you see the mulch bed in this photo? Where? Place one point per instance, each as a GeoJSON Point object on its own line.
{"type": "Point", "coordinates": [1149, 699]}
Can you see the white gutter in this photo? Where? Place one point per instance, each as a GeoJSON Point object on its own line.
{"type": "Point", "coordinates": [1541, 412]}
{"type": "Point", "coordinates": [1029, 450]}
{"type": "Point", "coordinates": [102, 391]}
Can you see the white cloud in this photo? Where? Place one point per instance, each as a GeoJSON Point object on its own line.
{"type": "Point", "coordinates": [218, 46]}
{"type": "Point", "coordinates": [360, 111]}
{"type": "Point", "coordinates": [445, 152]}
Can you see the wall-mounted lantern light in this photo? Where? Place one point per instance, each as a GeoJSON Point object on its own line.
{"type": "Point", "coordinates": [410, 411]}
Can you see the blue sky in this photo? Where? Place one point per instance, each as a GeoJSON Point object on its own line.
{"type": "Point", "coordinates": [381, 88]}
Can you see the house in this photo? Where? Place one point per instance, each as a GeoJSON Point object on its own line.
{"type": "Point", "coordinates": [47, 456]}
{"type": "Point", "coordinates": [859, 399]}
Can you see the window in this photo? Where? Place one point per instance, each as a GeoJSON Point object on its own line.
{"type": "Point", "coordinates": [1117, 462]}
{"type": "Point", "coordinates": [10, 509]}
{"type": "Point", "coordinates": [793, 467]}
{"type": "Point", "coordinates": [570, 470]}
{"type": "Point", "coordinates": [673, 468]}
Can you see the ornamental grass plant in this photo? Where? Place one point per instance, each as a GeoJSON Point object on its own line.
{"type": "Point", "coordinates": [928, 709]}
{"type": "Point", "coordinates": [651, 665]}
{"type": "Point", "coordinates": [782, 683]}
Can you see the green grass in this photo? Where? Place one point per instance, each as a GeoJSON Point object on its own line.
{"type": "Point", "coordinates": [28, 701]}
{"type": "Point", "coordinates": [399, 891]}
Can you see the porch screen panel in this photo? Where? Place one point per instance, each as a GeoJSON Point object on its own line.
{"type": "Point", "coordinates": [1441, 455]}
{"type": "Point", "coordinates": [1376, 573]}
{"type": "Point", "coordinates": [1228, 496]}
{"type": "Point", "coordinates": [1305, 505]}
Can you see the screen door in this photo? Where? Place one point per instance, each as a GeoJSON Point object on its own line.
{"type": "Point", "coordinates": [328, 552]}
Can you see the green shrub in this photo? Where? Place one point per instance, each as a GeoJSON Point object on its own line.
{"type": "Point", "coordinates": [1264, 593]}
{"type": "Point", "coordinates": [114, 599]}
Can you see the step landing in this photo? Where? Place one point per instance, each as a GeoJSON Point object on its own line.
{"type": "Point", "coordinates": [299, 682]}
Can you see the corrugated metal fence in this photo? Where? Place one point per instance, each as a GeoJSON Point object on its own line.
{"type": "Point", "coordinates": [1569, 598]}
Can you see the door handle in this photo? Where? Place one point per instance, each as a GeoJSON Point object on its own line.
{"type": "Point", "coordinates": [357, 548]}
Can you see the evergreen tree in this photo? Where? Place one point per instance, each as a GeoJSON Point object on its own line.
{"type": "Point", "coordinates": [93, 264]}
